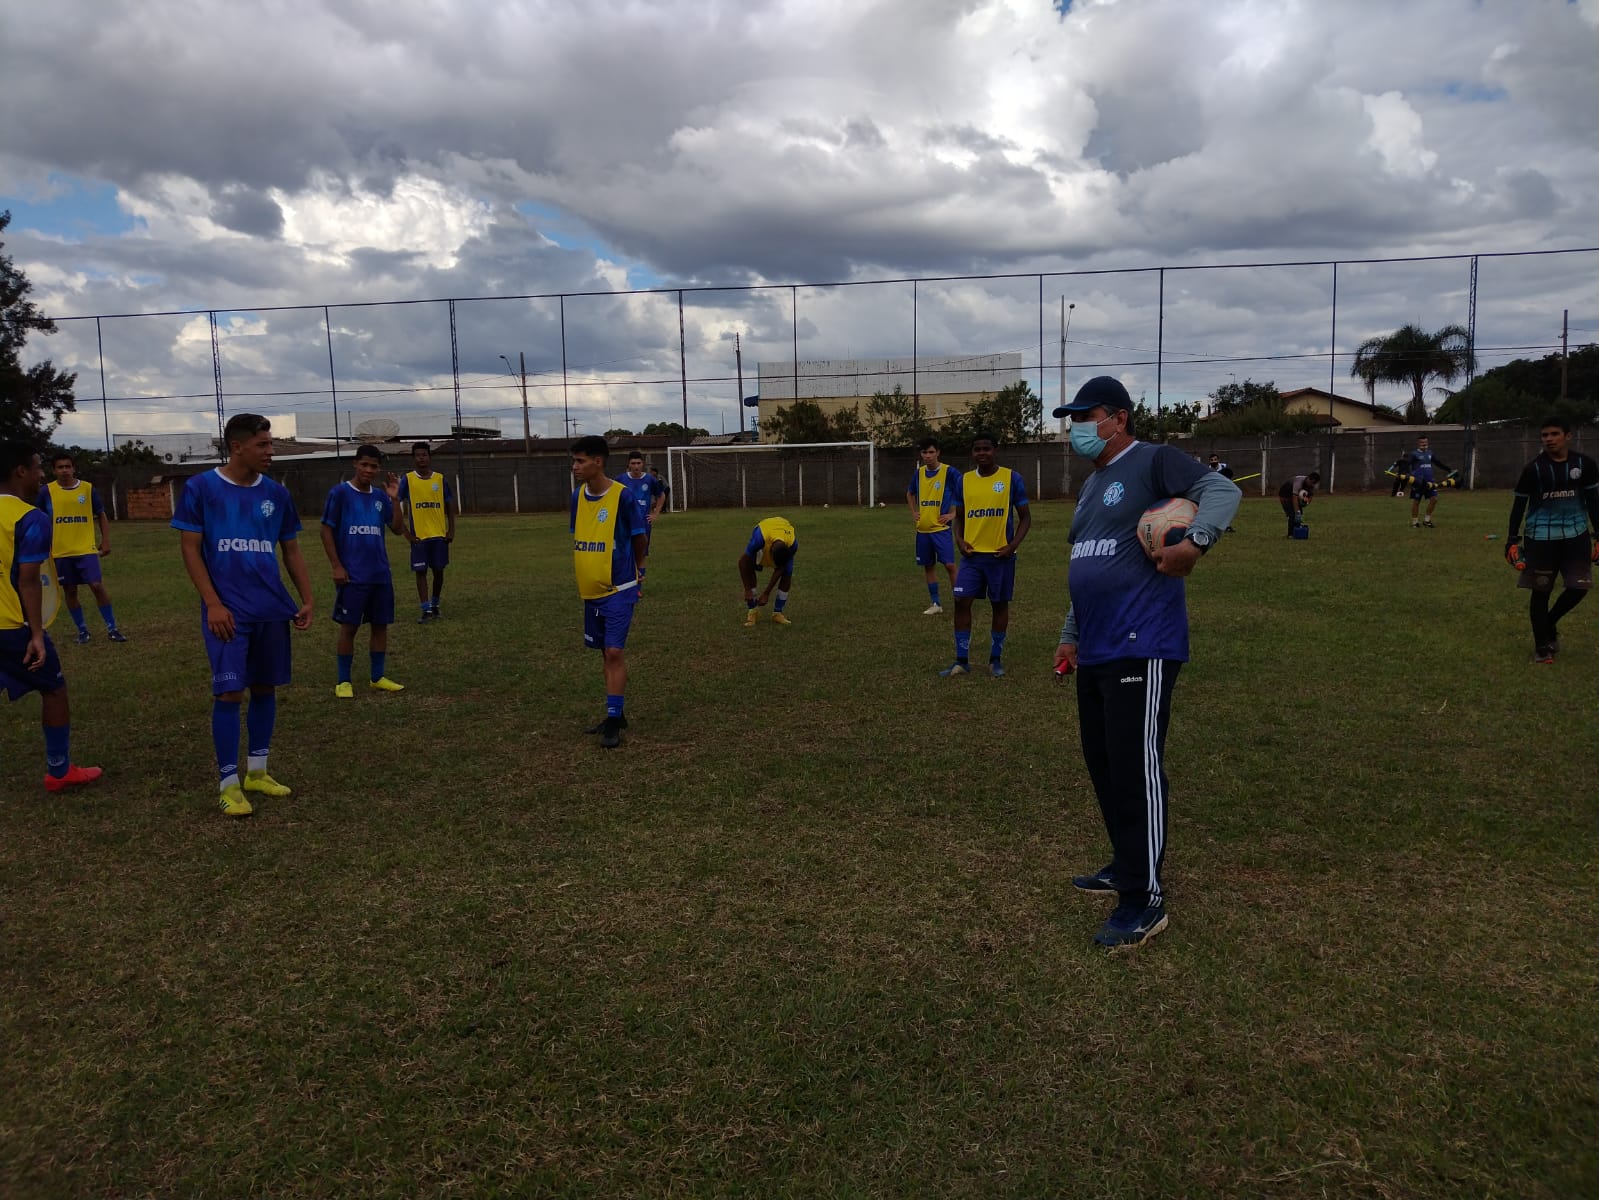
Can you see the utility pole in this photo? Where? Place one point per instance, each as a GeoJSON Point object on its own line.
{"type": "Point", "coordinates": [527, 433]}
{"type": "Point", "coordinates": [738, 359]}
{"type": "Point", "coordinates": [1065, 327]}
{"type": "Point", "coordinates": [1565, 316]}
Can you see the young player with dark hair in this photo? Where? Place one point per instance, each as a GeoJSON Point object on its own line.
{"type": "Point", "coordinates": [609, 551]}
{"type": "Point", "coordinates": [1558, 493]}
{"type": "Point", "coordinates": [353, 520]}
{"type": "Point", "coordinates": [931, 497]}
{"type": "Point", "coordinates": [1418, 468]}
{"type": "Point", "coordinates": [992, 516]}
{"type": "Point", "coordinates": [1294, 495]}
{"type": "Point", "coordinates": [76, 512]}
{"type": "Point", "coordinates": [430, 526]}
{"type": "Point", "coordinates": [773, 544]}
{"type": "Point", "coordinates": [647, 491]}
{"type": "Point", "coordinates": [1125, 637]}
{"type": "Point", "coordinates": [28, 599]}
{"type": "Point", "coordinates": [232, 521]}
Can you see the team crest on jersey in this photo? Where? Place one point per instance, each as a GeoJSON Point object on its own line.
{"type": "Point", "coordinates": [435, 487]}
{"type": "Point", "coordinates": [268, 508]}
{"type": "Point", "coordinates": [998, 488]}
{"type": "Point", "coordinates": [83, 499]}
{"type": "Point", "coordinates": [602, 515]}
{"type": "Point", "coordinates": [1113, 494]}
{"type": "Point", "coordinates": [377, 506]}
{"type": "Point", "coordinates": [1574, 473]}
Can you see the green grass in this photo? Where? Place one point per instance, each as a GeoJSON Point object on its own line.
{"type": "Point", "coordinates": [811, 932]}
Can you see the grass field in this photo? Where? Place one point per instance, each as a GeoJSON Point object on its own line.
{"type": "Point", "coordinates": [811, 931]}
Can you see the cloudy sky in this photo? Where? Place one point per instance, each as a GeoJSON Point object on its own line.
{"type": "Point", "coordinates": [200, 154]}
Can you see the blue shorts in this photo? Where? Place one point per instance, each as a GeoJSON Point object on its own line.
{"type": "Point", "coordinates": [80, 568]}
{"type": "Point", "coordinates": [257, 655]}
{"type": "Point", "coordinates": [17, 680]}
{"type": "Point", "coordinates": [1419, 490]}
{"type": "Point", "coordinates": [606, 621]}
{"type": "Point", "coordinates": [935, 547]}
{"type": "Point", "coordinates": [982, 576]}
{"type": "Point", "coordinates": [430, 552]}
{"type": "Point", "coordinates": [364, 604]}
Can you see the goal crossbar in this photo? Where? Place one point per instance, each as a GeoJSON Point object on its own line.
{"type": "Point", "coordinates": [677, 459]}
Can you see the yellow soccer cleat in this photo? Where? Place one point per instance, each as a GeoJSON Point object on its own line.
{"type": "Point", "coordinates": [232, 802]}
{"type": "Point", "coordinates": [386, 684]}
{"type": "Point", "coordinates": [260, 781]}
{"type": "Point", "coordinates": [344, 691]}
{"type": "Point", "coordinates": [749, 621]}
{"type": "Point", "coordinates": [780, 619]}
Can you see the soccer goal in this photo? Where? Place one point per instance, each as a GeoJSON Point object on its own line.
{"type": "Point", "coordinates": [775, 476]}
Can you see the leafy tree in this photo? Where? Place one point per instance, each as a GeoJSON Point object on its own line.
{"type": "Point", "coordinates": [805, 421]}
{"type": "Point", "coordinates": [1173, 418]}
{"type": "Point", "coordinates": [1529, 390]}
{"type": "Point", "coordinates": [1230, 397]}
{"type": "Point", "coordinates": [895, 421]}
{"type": "Point", "coordinates": [32, 399]}
{"type": "Point", "coordinates": [1411, 355]}
{"type": "Point", "coordinates": [619, 433]}
{"type": "Point", "coordinates": [127, 454]}
{"type": "Point", "coordinates": [1012, 414]}
{"type": "Point", "coordinates": [1250, 409]}
{"type": "Point", "coordinates": [675, 429]}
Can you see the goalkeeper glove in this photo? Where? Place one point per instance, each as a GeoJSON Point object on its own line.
{"type": "Point", "coordinates": [1593, 555]}
{"type": "Point", "coordinates": [1513, 555]}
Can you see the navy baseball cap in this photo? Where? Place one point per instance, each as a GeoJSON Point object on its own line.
{"type": "Point", "coordinates": [1102, 391]}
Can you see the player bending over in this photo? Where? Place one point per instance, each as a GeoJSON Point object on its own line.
{"type": "Point", "coordinates": [773, 543]}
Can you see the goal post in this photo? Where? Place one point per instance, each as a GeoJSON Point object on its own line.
{"type": "Point", "coordinates": [778, 474]}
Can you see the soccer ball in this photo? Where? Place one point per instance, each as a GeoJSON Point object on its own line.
{"type": "Point", "coordinates": [1164, 524]}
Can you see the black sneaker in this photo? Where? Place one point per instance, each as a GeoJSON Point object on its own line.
{"type": "Point", "coordinates": [1100, 883]}
{"type": "Point", "coordinates": [1543, 654]}
{"type": "Point", "coordinates": [1131, 925]}
{"type": "Point", "coordinates": [83, 637]}
{"type": "Point", "coordinates": [599, 726]}
{"type": "Point", "coordinates": [116, 635]}
{"type": "Point", "coordinates": [611, 732]}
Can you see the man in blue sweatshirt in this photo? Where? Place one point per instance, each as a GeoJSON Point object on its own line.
{"type": "Point", "coordinates": [1126, 635]}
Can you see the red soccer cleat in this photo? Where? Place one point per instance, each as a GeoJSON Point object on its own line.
{"type": "Point", "coordinates": [73, 777]}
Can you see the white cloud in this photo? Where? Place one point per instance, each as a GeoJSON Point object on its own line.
{"type": "Point", "coordinates": [1396, 135]}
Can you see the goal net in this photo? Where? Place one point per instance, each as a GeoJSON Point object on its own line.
{"type": "Point", "coordinates": [775, 476]}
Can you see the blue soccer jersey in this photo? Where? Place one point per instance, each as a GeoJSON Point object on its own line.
{"type": "Point", "coordinates": [358, 520]}
{"type": "Point", "coordinates": [1121, 606]}
{"type": "Point", "coordinates": [240, 527]}
{"type": "Point", "coordinates": [643, 490]}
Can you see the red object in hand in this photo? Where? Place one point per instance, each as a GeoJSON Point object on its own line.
{"type": "Point", "coordinates": [1513, 557]}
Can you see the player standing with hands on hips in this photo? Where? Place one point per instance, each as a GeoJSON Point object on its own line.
{"type": "Point", "coordinates": [1126, 635]}
{"type": "Point", "coordinates": [1559, 494]}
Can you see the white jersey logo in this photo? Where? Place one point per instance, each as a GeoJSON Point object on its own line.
{"type": "Point", "coordinates": [1113, 495]}
{"type": "Point", "coordinates": [268, 508]}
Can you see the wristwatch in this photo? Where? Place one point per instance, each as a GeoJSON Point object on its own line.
{"type": "Point", "coordinates": [1201, 539]}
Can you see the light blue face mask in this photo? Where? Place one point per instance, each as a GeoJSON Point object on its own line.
{"type": "Point", "coordinates": [1086, 440]}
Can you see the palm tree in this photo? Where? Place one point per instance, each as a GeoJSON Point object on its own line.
{"type": "Point", "coordinates": [1412, 355]}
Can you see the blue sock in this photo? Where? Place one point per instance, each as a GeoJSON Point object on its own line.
{"type": "Point", "coordinates": [225, 737]}
{"type": "Point", "coordinates": [77, 619]}
{"type": "Point", "coordinates": [613, 706]}
{"type": "Point", "coordinates": [996, 646]}
{"type": "Point", "coordinates": [56, 754]}
{"type": "Point", "coordinates": [963, 645]}
{"type": "Point", "coordinates": [108, 616]}
{"type": "Point", "coordinates": [932, 590]}
{"type": "Point", "coordinates": [378, 659]}
{"type": "Point", "coordinates": [782, 599]}
{"type": "Point", "coordinates": [749, 604]}
{"type": "Point", "coordinates": [345, 663]}
{"type": "Point", "coordinates": [262, 716]}
{"type": "Point", "coordinates": [426, 608]}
